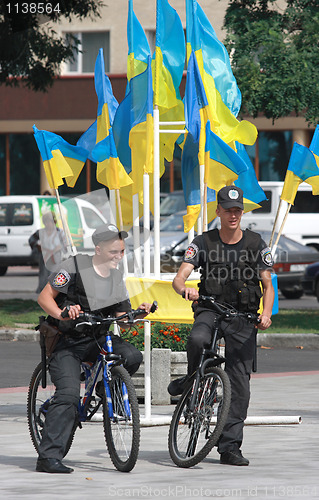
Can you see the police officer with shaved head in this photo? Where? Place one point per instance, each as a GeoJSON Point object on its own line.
{"type": "Point", "coordinates": [81, 284]}
{"type": "Point", "coordinates": [235, 268]}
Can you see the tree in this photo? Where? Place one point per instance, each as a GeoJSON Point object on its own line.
{"type": "Point", "coordinates": [31, 51]}
{"type": "Point", "coordinates": [275, 56]}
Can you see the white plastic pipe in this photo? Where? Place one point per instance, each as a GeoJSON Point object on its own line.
{"type": "Point", "coordinates": [156, 180]}
{"type": "Point", "coordinates": [136, 236]}
{"type": "Point", "coordinates": [147, 370]}
{"type": "Point", "coordinates": [146, 219]}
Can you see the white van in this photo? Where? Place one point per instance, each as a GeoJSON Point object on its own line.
{"type": "Point", "coordinates": [21, 216]}
{"type": "Point", "coordinates": [302, 223]}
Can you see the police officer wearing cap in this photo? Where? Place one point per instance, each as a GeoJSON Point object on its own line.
{"type": "Point", "coordinates": [88, 284]}
{"type": "Point", "coordinates": [233, 264]}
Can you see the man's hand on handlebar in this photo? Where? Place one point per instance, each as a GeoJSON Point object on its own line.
{"type": "Point", "coordinates": [143, 310]}
{"type": "Point", "coordinates": [70, 312]}
{"type": "Point", "coordinates": [190, 294]}
{"type": "Point", "coordinates": [265, 322]}
{"type": "Point", "coordinates": [147, 308]}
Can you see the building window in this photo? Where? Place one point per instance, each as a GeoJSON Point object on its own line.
{"type": "Point", "coordinates": [2, 164]}
{"type": "Point", "coordinates": [24, 164]}
{"type": "Point", "coordinates": [89, 46]}
{"type": "Point", "coordinates": [274, 152]}
{"type": "Point", "coordinates": [270, 155]}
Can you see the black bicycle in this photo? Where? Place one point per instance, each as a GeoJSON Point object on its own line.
{"type": "Point", "coordinates": [202, 410]}
{"type": "Point", "coordinates": [115, 393]}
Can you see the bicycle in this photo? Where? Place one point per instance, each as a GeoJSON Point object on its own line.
{"type": "Point", "coordinates": [202, 410]}
{"type": "Point", "coordinates": [116, 395]}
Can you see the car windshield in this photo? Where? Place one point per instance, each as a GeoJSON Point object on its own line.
{"type": "Point", "coordinates": [174, 202]}
{"type": "Point", "coordinates": [173, 223]}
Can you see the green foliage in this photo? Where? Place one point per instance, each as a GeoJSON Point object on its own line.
{"type": "Point", "coordinates": [31, 51]}
{"type": "Point", "coordinates": [275, 54]}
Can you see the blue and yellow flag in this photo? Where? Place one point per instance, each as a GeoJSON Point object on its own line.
{"type": "Point", "coordinates": [223, 95]}
{"type": "Point", "coordinates": [201, 35]}
{"type": "Point", "coordinates": [196, 106]}
{"type": "Point", "coordinates": [107, 103]}
{"type": "Point", "coordinates": [247, 181]}
{"type": "Point", "coordinates": [222, 164]}
{"type": "Point", "coordinates": [193, 155]}
{"type": "Point", "coordinates": [60, 159]}
{"type": "Point", "coordinates": [314, 145]}
{"type": "Point", "coordinates": [168, 65]}
{"type": "Point", "coordinates": [138, 46]}
{"type": "Point", "coordinates": [109, 171]}
{"type": "Point", "coordinates": [133, 128]}
{"type": "Point", "coordinates": [191, 184]}
{"type": "Point", "coordinates": [302, 167]}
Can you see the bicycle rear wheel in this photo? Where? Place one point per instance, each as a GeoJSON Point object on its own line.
{"type": "Point", "coordinates": [193, 434]}
{"type": "Point", "coordinates": [121, 420]}
{"type": "Point", "coordinates": [38, 402]}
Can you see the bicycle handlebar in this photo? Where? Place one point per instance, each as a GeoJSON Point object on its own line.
{"type": "Point", "coordinates": [92, 319]}
{"type": "Point", "coordinates": [226, 310]}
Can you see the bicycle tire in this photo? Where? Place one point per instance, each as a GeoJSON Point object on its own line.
{"type": "Point", "coordinates": [121, 430]}
{"type": "Point", "coordinates": [38, 401]}
{"type": "Point", "coordinates": [193, 435]}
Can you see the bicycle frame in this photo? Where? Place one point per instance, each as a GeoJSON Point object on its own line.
{"type": "Point", "coordinates": [105, 360]}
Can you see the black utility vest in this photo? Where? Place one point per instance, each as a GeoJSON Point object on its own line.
{"type": "Point", "coordinates": [77, 294]}
{"type": "Point", "coordinates": [235, 283]}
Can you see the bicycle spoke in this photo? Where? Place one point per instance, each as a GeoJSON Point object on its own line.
{"type": "Point", "coordinates": [195, 430]}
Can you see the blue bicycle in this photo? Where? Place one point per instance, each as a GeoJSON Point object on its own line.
{"type": "Point", "coordinates": [114, 392]}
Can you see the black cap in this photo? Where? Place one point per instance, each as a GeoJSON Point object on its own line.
{"type": "Point", "coordinates": [107, 232]}
{"type": "Point", "coordinates": [230, 196]}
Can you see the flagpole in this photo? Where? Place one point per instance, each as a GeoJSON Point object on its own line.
{"type": "Point", "coordinates": [65, 224]}
{"type": "Point", "coordinates": [119, 208]}
{"type": "Point", "coordinates": [275, 223]}
{"type": "Point", "coordinates": [205, 208]}
{"type": "Point", "coordinates": [281, 230]}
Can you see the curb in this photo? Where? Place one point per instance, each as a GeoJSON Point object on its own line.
{"type": "Point", "coordinates": [308, 340]}
{"type": "Point", "coordinates": [305, 340]}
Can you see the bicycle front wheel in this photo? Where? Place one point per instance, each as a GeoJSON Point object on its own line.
{"type": "Point", "coordinates": [121, 420]}
{"type": "Point", "coordinates": [38, 403]}
{"type": "Point", "coordinates": [194, 432]}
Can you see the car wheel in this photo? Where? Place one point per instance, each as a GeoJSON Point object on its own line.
{"type": "Point", "coordinates": [3, 270]}
{"type": "Point", "coordinates": [317, 290]}
{"type": "Point", "coordinates": [292, 294]}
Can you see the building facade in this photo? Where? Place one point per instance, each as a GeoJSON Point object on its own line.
{"type": "Point", "coordinates": [70, 106]}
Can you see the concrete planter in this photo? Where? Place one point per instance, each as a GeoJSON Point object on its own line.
{"type": "Point", "coordinates": [165, 366]}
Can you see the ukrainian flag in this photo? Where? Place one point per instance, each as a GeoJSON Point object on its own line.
{"type": "Point", "coordinates": [302, 167]}
{"type": "Point", "coordinates": [223, 95]}
{"type": "Point", "coordinates": [109, 171]}
{"type": "Point", "coordinates": [138, 46]}
{"type": "Point", "coordinates": [191, 184]}
{"type": "Point", "coordinates": [222, 164]}
{"type": "Point", "coordinates": [314, 146]}
{"type": "Point", "coordinates": [168, 65]}
{"type": "Point", "coordinates": [60, 159]}
{"type": "Point", "coordinates": [133, 128]}
{"type": "Point", "coordinates": [193, 155]}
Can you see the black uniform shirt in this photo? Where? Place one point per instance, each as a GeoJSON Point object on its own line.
{"type": "Point", "coordinates": [196, 253]}
{"type": "Point", "coordinates": [101, 292]}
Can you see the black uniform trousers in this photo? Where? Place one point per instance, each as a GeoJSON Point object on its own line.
{"type": "Point", "coordinates": [240, 338]}
{"type": "Point", "coordinates": [65, 370]}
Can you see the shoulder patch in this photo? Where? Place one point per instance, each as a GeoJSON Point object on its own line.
{"type": "Point", "coordinates": [191, 252]}
{"type": "Point", "coordinates": [61, 278]}
{"type": "Point", "coordinates": [266, 257]}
